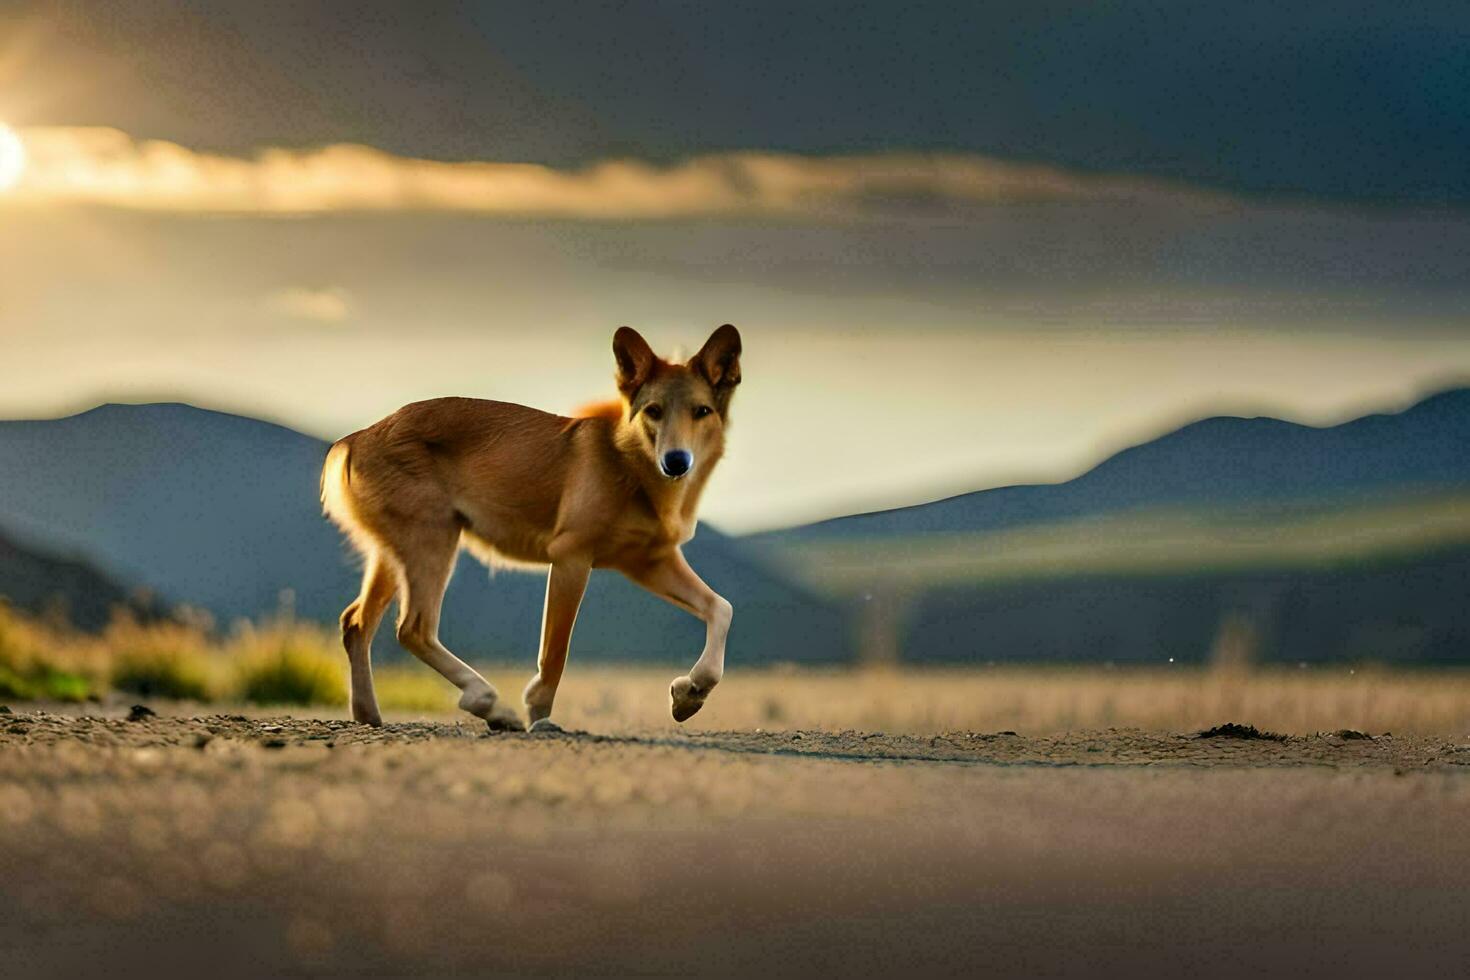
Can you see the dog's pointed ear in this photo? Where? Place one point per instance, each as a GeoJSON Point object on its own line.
{"type": "Point", "coordinates": [635, 360]}
{"type": "Point", "coordinates": [718, 361]}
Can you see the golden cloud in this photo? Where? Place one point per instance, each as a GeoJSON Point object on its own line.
{"type": "Point", "coordinates": [331, 304]}
{"type": "Point", "coordinates": [106, 167]}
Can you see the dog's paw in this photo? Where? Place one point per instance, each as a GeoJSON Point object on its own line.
{"type": "Point", "coordinates": [537, 698]}
{"type": "Point", "coordinates": [504, 722]}
{"type": "Point", "coordinates": [685, 699]}
{"type": "Point", "coordinates": [482, 701]}
{"type": "Point", "coordinates": [366, 713]}
{"type": "Point", "coordinates": [501, 717]}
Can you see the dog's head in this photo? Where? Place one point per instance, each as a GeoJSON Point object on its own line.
{"type": "Point", "coordinates": [678, 412]}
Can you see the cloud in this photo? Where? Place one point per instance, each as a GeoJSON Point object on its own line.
{"type": "Point", "coordinates": [330, 305]}
{"type": "Point", "coordinates": [98, 166]}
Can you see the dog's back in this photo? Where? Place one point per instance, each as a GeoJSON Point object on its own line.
{"type": "Point", "coordinates": [494, 469]}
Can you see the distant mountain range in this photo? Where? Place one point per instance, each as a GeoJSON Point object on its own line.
{"type": "Point", "coordinates": [1215, 462]}
{"type": "Point", "coordinates": [1346, 542]}
{"type": "Point", "coordinates": [221, 513]}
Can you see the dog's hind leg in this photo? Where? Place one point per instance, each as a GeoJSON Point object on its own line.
{"type": "Point", "coordinates": [673, 580]}
{"type": "Point", "coordinates": [426, 554]}
{"type": "Point", "coordinates": [359, 623]}
{"type": "Point", "coordinates": [565, 586]}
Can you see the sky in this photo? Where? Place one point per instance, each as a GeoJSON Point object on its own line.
{"type": "Point", "coordinates": [966, 244]}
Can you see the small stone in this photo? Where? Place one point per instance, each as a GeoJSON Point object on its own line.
{"type": "Point", "coordinates": [545, 726]}
{"type": "Point", "coordinates": [140, 711]}
{"type": "Point", "coordinates": [4, 709]}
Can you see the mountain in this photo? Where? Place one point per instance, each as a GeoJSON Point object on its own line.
{"type": "Point", "coordinates": [45, 584]}
{"type": "Point", "coordinates": [1316, 544]}
{"type": "Point", "coordinates": [221, 512]}
{"type": "Point", "coordinates": [1216, 462]}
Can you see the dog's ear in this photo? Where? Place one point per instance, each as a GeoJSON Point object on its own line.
{"type": "Point", "coordinates": [635, 360]}
{"type": "Point", "coordinates": [718, 361]}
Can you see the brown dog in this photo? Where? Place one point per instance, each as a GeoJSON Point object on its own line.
{"type": "Point", "coordinates": [617, 487]}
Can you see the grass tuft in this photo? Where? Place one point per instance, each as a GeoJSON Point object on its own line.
{"type": "Point", "coordinates": [161, 660]}
{"type": "Point", "coordinates": [38, 662]}
{"type": "Point", "coordinates": [43, 682]}
{"type": "Point", "coordinates": [288, 663]}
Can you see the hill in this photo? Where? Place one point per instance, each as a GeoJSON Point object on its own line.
{"type": "Point", "coordinates": [50, 585]}
{"type": "Point", "coordinates": [1216, 462]}
{"type": "Point", "coordinates": [1304, 544]}
{"type": "Point", "coordinates": [220, 512]}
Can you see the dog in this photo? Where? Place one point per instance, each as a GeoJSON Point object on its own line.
{"type": "Point", "coordinates": [617, 485]}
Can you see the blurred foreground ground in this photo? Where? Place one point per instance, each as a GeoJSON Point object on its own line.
{"type": "Point", "coordinates": [224, 845]}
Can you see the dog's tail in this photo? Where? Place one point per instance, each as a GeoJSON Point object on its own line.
{"type": "Point", "coordinates": [336, 486]}
{"type": "Point", "coordinates": [612, 410]}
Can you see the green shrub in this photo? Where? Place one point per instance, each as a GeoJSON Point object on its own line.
{"type": "Point", "coordinates": [12, 685]}
{"type": "Point", "coordinates": [55, 684]}
{"type": "Point", "coordinates": [43, 682]}
{"type": "Point", "coordinates": [289, 663]}
{"type": "Point", "coordinates": [161, 673]}
{"type": "Point", "coordinates": [38, 662]}
{"type": "Point", "coordinates": [159, 660]}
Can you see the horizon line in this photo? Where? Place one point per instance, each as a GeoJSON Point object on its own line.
{"type": "Point", "coordinates": [1452, 382]}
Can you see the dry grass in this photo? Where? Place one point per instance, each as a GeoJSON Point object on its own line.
{"type": "Point", "coordinates": [279, 662]}
{"type": "Point", "coordinates": [1029, 700]}
{"type": "Point", "coordinates": [286, 663]}
{"type": "Point", "coordinates": [172, 661]}
{"type": "Point", "coordinates": [41, 661]}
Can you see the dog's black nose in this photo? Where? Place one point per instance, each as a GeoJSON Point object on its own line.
{"type": "Point", "coordinates": [677, 462]}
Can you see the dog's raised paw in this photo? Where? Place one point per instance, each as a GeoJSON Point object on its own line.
{"type": "Point", "coordinates": [685, 699]}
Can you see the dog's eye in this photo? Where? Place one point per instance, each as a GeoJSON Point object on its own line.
{"type": "Point", "coordinates": [653, 412]}
{"type": "Point", "coordinates": [702, 411]}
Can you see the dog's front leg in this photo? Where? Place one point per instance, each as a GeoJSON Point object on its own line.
{"type": "Point", "coordinates": [672, 579]}
{"type": "Point", "coordinates": [564, 588]}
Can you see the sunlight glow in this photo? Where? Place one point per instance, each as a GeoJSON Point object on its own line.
{"type": "Point", "coordinates": [12, 157]}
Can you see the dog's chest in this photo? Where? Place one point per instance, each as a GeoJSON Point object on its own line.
{"type": "Point", "coordinates": [634, 538]}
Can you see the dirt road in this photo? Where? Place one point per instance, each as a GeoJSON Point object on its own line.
{"type": "Point", "coordinates": [225, 845]}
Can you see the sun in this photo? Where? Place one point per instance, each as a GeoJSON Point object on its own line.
{"type": "Point", "coordinates": [12, 157]}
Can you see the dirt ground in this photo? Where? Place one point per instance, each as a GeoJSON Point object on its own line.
{"type": "Point", "coordinates": [226, 845]}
